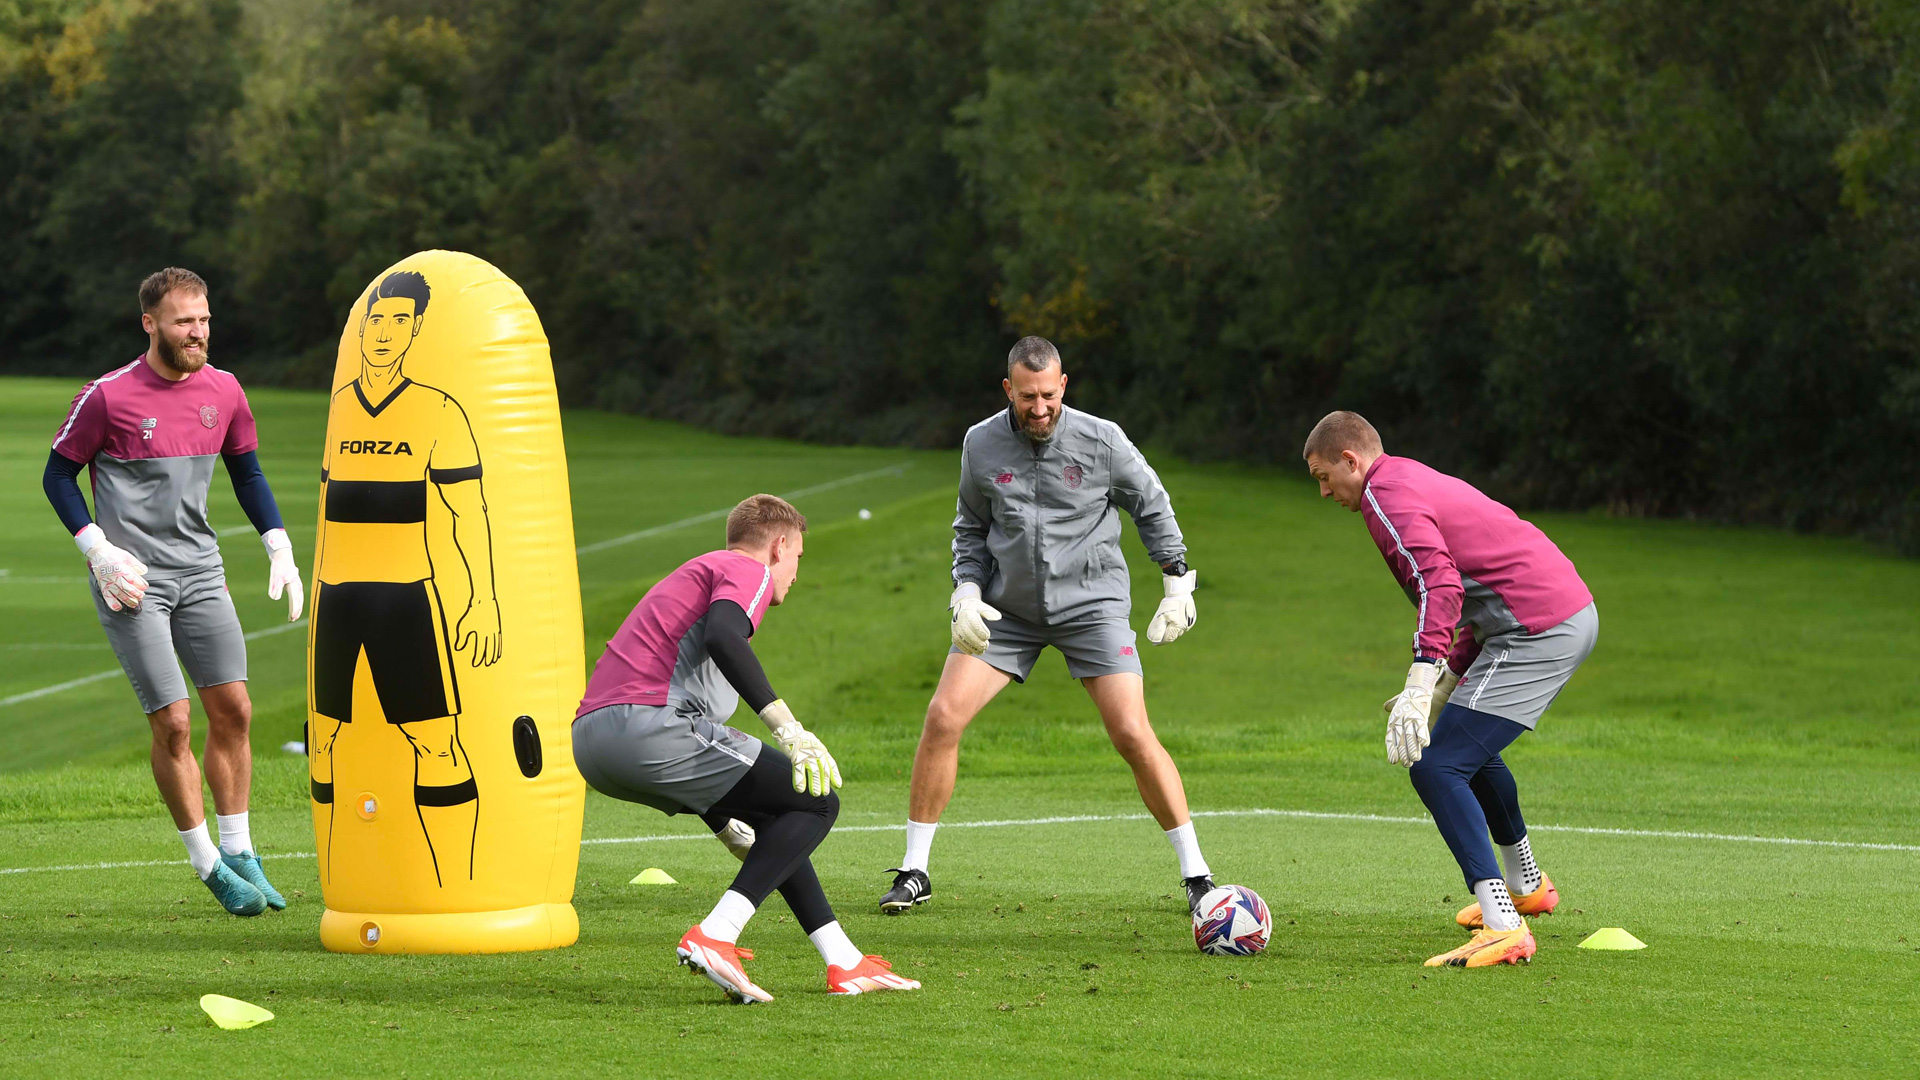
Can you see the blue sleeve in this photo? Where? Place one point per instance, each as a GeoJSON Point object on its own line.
{"type": "Point", "coordinates": [62, 486]}
{"type": "Point", "coordinates": [250, 487]}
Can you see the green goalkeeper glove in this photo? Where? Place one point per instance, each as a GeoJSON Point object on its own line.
{"type": "Point", "coordinates": [814, 770]}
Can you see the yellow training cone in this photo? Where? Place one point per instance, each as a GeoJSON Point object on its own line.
{"type": "Point", "coordinates": [232, 1013]}
{"type": "Point", "coordinates": [653, 875]}
{"type": "Point", "coordinates": [1613, 939]}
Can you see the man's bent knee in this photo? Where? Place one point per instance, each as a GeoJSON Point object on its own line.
{"type": "Point", "coordinates": [172, 728]}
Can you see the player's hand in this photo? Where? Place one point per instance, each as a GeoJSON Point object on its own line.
{"type": "Point", "coordinates": [1442, 692]}
{"type": "Point", "coordinates": [814, 770]}
{"type": "Point", "coordinates": [121, 577]}
{"type": "Point", "coordinates": [282, 573]}
{"type": "Point", "coordinates": [1176, 614]}
{"type": "Point", "coordinates": [970, 618]}
{"type": "Point", "coordinates": [480, 628]}
{"type": "Point", "coordinates": [737, 837]}
{"type": "Point", "coordinates": [1407, 716]}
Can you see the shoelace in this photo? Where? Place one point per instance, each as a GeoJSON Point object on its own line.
{"type": "Point", "coordinates": [872, 959]}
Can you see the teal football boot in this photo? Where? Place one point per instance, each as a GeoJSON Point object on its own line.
{"type": "Point", "coordinates": [234, 892]}
{"type": "Point", "coordinates": [247, 865]}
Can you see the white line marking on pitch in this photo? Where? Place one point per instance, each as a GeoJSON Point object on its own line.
{"type": "Point", "coordinates": [716, 515]}
{"type": "Point", "coordinates": [1077, 819]}
{"type": "Point", "coordinates": [111, 672]}
{"type": "Point", "coordinates": [712, 515]}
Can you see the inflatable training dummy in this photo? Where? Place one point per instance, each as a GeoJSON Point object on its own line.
{"type": "Point", "coordinates": [444, 658]}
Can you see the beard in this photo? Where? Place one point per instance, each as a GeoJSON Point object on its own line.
{"type": "Point", "coordinates": [1040, 431]}
{"type": "Point", "coordinates": [178, 360]}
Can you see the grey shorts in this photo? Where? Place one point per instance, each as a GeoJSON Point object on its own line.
{"type": "Point", "coordinates": [1517, 675]}
{"type": "Point", "coordinates": [669, 760]}
{"type": "Point", "coordinates": [190, 615]}
{"type": "Point", "coordinates": [1094, 647]}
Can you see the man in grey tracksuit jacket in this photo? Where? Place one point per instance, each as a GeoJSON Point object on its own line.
{"type": "Point", "coordinates": [1037, 562]}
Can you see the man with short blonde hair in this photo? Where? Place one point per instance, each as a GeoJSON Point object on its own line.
{"type": "Point", "coordinates": [1504, 621]}
{"type": "Point", "coordinates": [653, 729]}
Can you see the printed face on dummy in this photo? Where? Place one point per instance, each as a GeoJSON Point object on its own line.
{"type": "Point", "coordinates": [1343, 480]}
{"type": "Point", "coordinates": [1036, 397]}
{"type": "Point", "coordinates": [387, 331]}
{"type": "Point", "coordinates": [783, 565]}
{"type": "Point", "coordinates": [181, 327]}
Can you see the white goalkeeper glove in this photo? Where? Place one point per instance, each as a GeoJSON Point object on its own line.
{"type": "Point", "coordinates": [970, 618]}
{"type": "Point", "coordinates": [1442, 692]}
{"type": "Point", "coordinates": [121, 577]}
{"type": "Point", "coordinates": [738, 838]}
{"type": "Point", "coordinates": [814, 770]}
{"type": "Point", "coordinates": [1176, 614]}
{"type": "Point", "coordinates": [1407, 714]}
{"type": "Point", "coordinates": [282, 574]}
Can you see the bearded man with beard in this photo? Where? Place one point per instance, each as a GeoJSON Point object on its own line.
{"type": "Point", "coordinates": [1036, 554]}
{"type": "Point", "coordinates": [150, 432]}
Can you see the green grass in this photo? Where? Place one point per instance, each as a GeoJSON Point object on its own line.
{"type": "Point", "coordinates": [1747, 682]}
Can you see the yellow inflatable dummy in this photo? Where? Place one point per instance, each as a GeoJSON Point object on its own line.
{"type": "Point", "coordinates": [444, 658]}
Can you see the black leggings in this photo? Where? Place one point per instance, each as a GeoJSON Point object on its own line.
{"type": "Point", "coordinates": [787, 826]}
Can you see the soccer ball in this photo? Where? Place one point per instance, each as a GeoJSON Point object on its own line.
{"type": "Point", "coordinates": [1232, 920]}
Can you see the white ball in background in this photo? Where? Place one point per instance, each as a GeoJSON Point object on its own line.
{"type": "Point", "coordinates": [866, 514]}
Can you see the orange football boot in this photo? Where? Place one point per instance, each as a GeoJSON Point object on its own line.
{"type": "Point", "coordinates": [1540, 901]}
{"type": "Point", "coordinates": [720, 962]}
{"type": "Point", "coordinates": [871, 973]}
{"type": "Point", "coordinates": [1489, 947]}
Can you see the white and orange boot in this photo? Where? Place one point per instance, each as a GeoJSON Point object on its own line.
{"type": "Point", "coordinates": [720, 961]}
{"type": "Point", "coordinates": [871, 973]}
{"type": "Point", "coordinates": [1489, 947]}
{"type": "Point", "coordinates": [1540, 901]}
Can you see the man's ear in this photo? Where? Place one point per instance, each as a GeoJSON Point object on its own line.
{"type": "Point", "coordinates": [417, 320]}
{"type": "Point", "coordinates": [147, 323]}
{"type": "Point", "coordinates": [1063, 384]}
{"type": "Point", "coordinates": [1352, 459]}
{"type": "Point", "coordinates": [1006, 387]}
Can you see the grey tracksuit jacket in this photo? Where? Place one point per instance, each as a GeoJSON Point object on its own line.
{"type": "Point", "coordinates": [1038, 525]}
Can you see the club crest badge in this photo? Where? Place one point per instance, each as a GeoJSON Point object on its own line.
{"type": "Point", "coordinates": [209, 416]}
{"type": "Point", "coordinates": [1004, 478]}
{"type": "Point", "coordinates": [1073, 476]}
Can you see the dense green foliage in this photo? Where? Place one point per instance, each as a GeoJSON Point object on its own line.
{"type": "Point", "coordinates": [1656, 255]}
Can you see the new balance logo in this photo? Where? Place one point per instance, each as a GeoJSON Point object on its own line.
{"type": "Point", "coordinates": [374, 446]}
{"type": "Point", "coordinates": [147, 426]}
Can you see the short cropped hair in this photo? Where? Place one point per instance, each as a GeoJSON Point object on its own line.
{"type": "Point", "coordinates": [1034, 353]}
{"type": "Point", "coordinates": [1342, 430]}
{"type": "Point", "coordinates": [161, 282]}
{"type": "Point", "coordinates": [759, 518]}
{"type": "Point", "coordinates": [408, 283]}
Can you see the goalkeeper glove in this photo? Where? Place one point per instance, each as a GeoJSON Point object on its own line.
{"type": "Point", "coordinates": [1407, 714]}
{"type": "Point", "coordinates": [970, 618]}
{"type": "Point", "coordinates": [738, 838]}
{"type": "Point", "coordinates": [282, 574]}
{"type": "Point", "coordinates": [1176, 614]}
{"type": "Point", "coordinates": [121, 577]}
{"type": "Point", "coordinates": [814, 770]}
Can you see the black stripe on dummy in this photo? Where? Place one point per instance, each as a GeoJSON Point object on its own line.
{"type": "Point", "coordinates": [322, 793]}
{"type": "Point", "coordinates": [454, 476]}
{"type": "Point", "coordinates": [448, 795]}
{"type": "Point", "coordinates": [377, 502]}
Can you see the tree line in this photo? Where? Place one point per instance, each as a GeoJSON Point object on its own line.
{"type": "Point", "coordinates": [1661, 256]}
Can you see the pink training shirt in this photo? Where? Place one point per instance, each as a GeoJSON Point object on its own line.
{"type": "Point", "coordinates": [1465, 560]}
{"type": "Point", "coordinates": [659, 655]}
{"type": "Point", "coordinates": [150, 445]}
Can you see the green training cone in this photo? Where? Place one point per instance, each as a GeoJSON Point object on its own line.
{"type": "Point", "coordinates": [232, 1013]}
{"type": "Point", "coordinates": [1613, 939]}
{"type": "Point", "coordinates": [653, 875]}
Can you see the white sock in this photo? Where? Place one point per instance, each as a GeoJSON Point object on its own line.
{"type": "Point", "coordinates": [1496, 905]}
{"type": "Point", "coordinates": [919, 845]}
{"type": "Point", "coordinates": [835, 947]}
{"type": "Point", "coordinates": [235, 835]}
{"type": "Point", "coordinates": [1523, 876]}
{"type": "Point", "coordinates": [1187, 847]}
{"type": "Point", "coordinates": [200, 850]}
{"type": "Point", "coordinates": [729, 917]}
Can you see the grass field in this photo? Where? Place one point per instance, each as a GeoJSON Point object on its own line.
{"type": "Point", "coordinates": [1747, 684]}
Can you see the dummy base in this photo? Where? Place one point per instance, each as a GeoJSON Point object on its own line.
{"type": "Point", "coordinates": [538, 926]}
